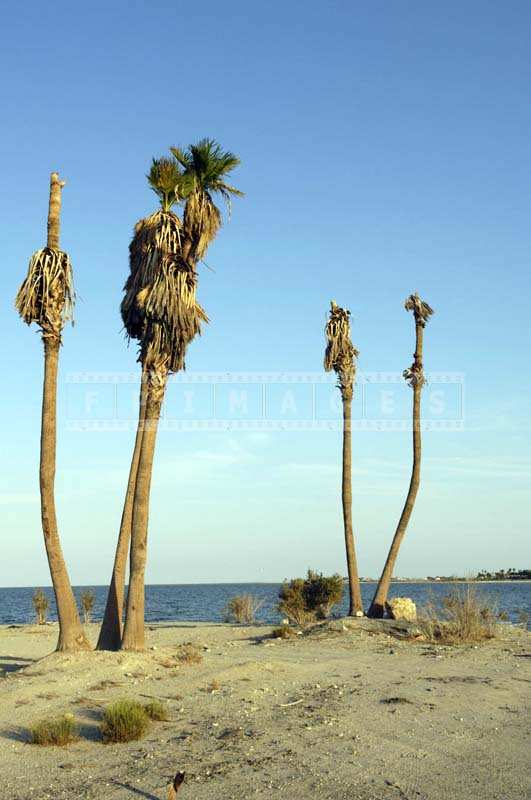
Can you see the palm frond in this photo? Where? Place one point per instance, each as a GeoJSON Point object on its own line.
{"type": "Point", "coordinates": [159, 308]}
{"type": "Point", "coordinates": [421, 310]}
{"type": "Point", "coordinates": [167, 181]}
{"type": "Point", "coordinates": [340, 355]}
{"type": "Point", "coordinates": [205, 166]}
{"type": "Point", "coordinates": [47, 295]}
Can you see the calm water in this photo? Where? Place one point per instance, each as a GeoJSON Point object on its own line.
{"type": "Point", "coordinates": [205, 602]}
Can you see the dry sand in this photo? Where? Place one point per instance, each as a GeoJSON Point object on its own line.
{"type": "Point", "coordinates": [346, 712]}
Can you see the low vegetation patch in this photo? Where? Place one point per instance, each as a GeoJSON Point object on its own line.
{"type": "Point", "coordinates": [188, 653]}
{"type": "Point", "coordinates": [156, 711]}
{"type": "Point", "coordinates": [303, 600]}
{"type": "Point", "coordinates": [54, 731]}
{"type": "Point", "coordinates": [124, 721]}
{"type": "Point", "coordinates": [242, 609]}
{"type": "Point", "coordinates": [88, 598]}
{"type": "Point", "coordinates": [41, 604]}
{"type": "Point", "coordinates": [463, 616]}
{"type": "Point", "coordinates": [283, 632]}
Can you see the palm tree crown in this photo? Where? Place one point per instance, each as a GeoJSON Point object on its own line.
{"type": "Point", "coordinates": [340, 354]}
{"type": "Point", "coordinates": [205, 168]}
{"type": "Point", "coordinates": [421, 310]}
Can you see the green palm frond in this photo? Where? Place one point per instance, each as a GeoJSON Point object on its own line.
{"type": "Point", "coordinates": [205, 166]}
{"type": "Point", "coordinates": [167, 181]}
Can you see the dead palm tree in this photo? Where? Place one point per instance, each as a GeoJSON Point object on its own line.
{"type": "Point", "coordinates": [160, 311]}
{"type": "Point", "coordinates": [340, 357]}
{"type": "Point", "coordinates": [415, 378]}
{"type": "Point", "coordinates": [47, 297]}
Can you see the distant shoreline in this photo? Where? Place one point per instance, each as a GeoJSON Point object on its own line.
{"type": "Point", "coordinates": [394, 582]}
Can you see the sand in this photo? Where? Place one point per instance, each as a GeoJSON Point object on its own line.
{"type": "Point", "coordinates": [347, 711]}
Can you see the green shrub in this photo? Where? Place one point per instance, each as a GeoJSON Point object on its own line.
{"type": "Point", "coordinates": [303, 600]}
{"type": "Point", "coordinates": [156, 710]}
{"type": "Point", "coordinates": [41, 604]}
{"type": "Point", "coordinates": [242, 609]}
{"type": "Point", "coordinates": [54, 731]}
{"type": "Point", "coordinates": [124, 721]}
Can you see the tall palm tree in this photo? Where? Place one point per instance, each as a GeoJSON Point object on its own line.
{"type": "Point", "coordinates": [416, 379]}
{"type": "Point", "coordinates": [160, 310]}
{"type": "Point", "coordinates": [340, 357]}
{"type": "Point", "coordinates": [46, 297]}
{"type": "Point", "coordinates": [153, 239]}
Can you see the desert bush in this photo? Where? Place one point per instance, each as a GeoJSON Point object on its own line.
{"type": "Point", "coordinates": [242, 609]}
{"type": "Point", "coordinates": [124, 721]}
{"type": "Point", "coordinates": [87, 604]}
{"type": "Point", "coordinates": [303, 600]}
{"type": "Point", "coordinates": [54, 731]}
{"type": "Point", "coordinates": [462, 616]}
{"type": "Point", "coordinates": [156, 711]}
{"type": "Point", "coordinates": [188, 653]}
{"type": "Point", "coordinates": [283, 632]}
{"type": "Point", "coordinates": [41, 604]}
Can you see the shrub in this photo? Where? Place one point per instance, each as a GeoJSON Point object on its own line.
{"type": "Point", "coordinates": [323, 592]}
{"type": "Point", "coordinates": [463, 616]}
{"type": "Point", "coordinates": [87, 604]}
{"type": "Point", "coordinates": [303, 600]}
{"type": "Point", "coordinates": [283, 632]}
{"type": "Point", "coordinates": [242, 609]}
{"type": "Point", "coordinates": [156, 711]}
{"type": "Point", "coordinates": [41, 604]}
{"type": "Point", "coordinates": [124, 721]}
{"type": "Point", "coordinates": [54, 731]}
{"type": "Point", "coordinates": [189, 654]}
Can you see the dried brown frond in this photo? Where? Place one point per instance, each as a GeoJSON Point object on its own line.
{"type": "Point", "coordinates": [47, 294]}
{"type": "Point", "coordinates": [340, 354]}
{"type": "Point", "coordinates": [201, 223]}
{"type": "Point", "coordinates": [420, 309]}
{"type": "Point", "coordinates": [160, 308]}
{"type": "Point", "coordinates": [414, 375]}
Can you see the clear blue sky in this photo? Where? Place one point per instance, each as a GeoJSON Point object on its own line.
{"type": "Point", "coordinates": [385, 148]}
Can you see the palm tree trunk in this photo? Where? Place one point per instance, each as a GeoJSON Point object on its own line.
{"type": "Point", "coordinates": [110, 637]}
{"type": "Point", "coordinates": [355, 602]}
{"type": "Point", "coordinates": [54, 211]}
{"type": "Point", "coordinates": [380, 597]}
{"type": "Point", "coordinates": [133, 636]}
{"type": "Point", "coordinates": [71, 635]}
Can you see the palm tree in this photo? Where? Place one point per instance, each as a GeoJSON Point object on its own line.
{"type": "Point", "coordinates": [154, 237]}
{"type": "Point", "coordinates": [416, 379]}
{"type": "Point", "coordinates": [340, 356]}
{"type": "Point", "coordinates": [46, 297]}
{"type": "Point", "coordinates": [160, 311]}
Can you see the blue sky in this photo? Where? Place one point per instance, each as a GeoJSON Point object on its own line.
{"type": "Point", "coordinates": [385, 149]}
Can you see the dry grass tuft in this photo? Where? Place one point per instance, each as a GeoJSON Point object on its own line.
{"type": "Point", "coordinates": [242, 609]}
{"type": "Point", "coordinates": [464, 616]}
{"type": "Point", "coordinates": [189, 654]}
{"type": "Point", "coordinates": [284, 632]}
{"type": "Point", "coordinates": [58, 731]}
{"type": "Point", "coordinates": [156, 711]}
{"type": "Point", "coordinates": [124, 721]}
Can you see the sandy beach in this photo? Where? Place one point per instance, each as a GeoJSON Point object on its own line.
{"type": "Point", "coordinates": [348, 711]}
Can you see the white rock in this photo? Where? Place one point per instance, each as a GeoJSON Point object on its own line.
{"type": "Point", "coordinates": [402, 608]}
